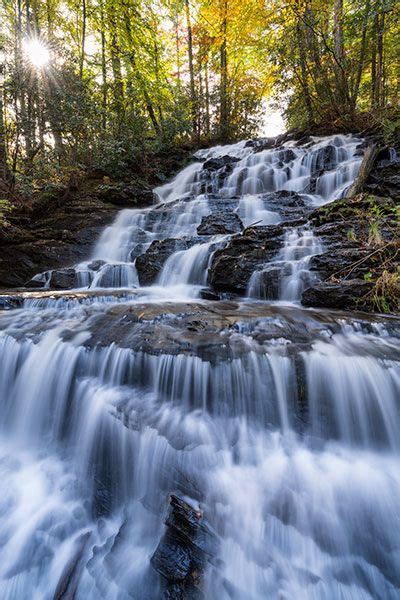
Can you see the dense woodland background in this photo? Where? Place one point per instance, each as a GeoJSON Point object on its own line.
{"type": "Point", "coordinates": [102, 85]}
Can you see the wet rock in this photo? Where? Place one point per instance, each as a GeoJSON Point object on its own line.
{"type": "Point", "coordinates": [348, 294]}
{"type": "Point", "coordinates": [10, 302]}
{"type": "Point", "coordinates": [63, 279]}
{"type": "Point", "coordinates": [220, 224]}
{"type": "Point", "coordinates": [233, 265]}
{"type": "Point", "coordinates": [68, 583]}
{"type": "Point", "coordinates": [207, 294]}
{"type": "Point", "coordinates": [183, 551]}
{"type": "Point", "coordinates": [149, 265]}
{"type": "Point", "coordinates": [172, 558]}
{"type": "Point", "coordinates": [290, 206]}
{"type": "Point", "coordinates": [214, 164]}
{"type": "Point", "coordinates": [96, 265]}
{"type": "Point", "coordinates": [268, 282]}
{"type": "Point", "coordinates": [386, 156]}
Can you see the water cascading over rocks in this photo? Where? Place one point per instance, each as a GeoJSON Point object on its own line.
{"type": "Point", "coordinates": [273, 430]}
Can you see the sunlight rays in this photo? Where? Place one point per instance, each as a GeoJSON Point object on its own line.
{"type": "Point", "coordinates": [36, 52]}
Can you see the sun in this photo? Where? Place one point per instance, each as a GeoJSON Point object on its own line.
{"type": "Point", "coordinates": [36, 52]}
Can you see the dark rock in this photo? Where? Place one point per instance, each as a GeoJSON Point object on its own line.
{"type": "Point", "coordinates": [183, 551]}
{"type": "Point", "coordinates": [220, 223]}
{"type": "Point", "coordinates": [214, 164]}
{"type": "Point", "coordinates": [64, 239]}
{"type": "Point", "coordinates": [149, 265]}
{"type": "Point", "coordinates": [386, 156]}
{"type": "Point", "coordinates": [126, 195]}
{"type": "Point", "coordinates": [268, 282]}
{"type": "Point", "coordinates": [172, 558]}
{"type": "Point", "coordinates": [96, 265]}
{"type": "Point", "coordinates": [68, 583]}
{"type": "Point", "coordinates": [10, 302]}
{"type": "Point", "coordinates": [338, 261]}
{"type": "Point", "coordinates": [207, 294]}
{"type": "Point", "coordinates": [233, 265]}
{"type": "Point", "coordinates": [347, 294]}
{"type": "Point", "coordinates": [261, 144]}
{"type": "Point", "coordinates": [63, 279]}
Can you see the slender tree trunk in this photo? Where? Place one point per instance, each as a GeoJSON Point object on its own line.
{"type": "Point", "coordinates": [139, 79]}
{"type": "Point", "coordinates": [193, 99]}
{"type": "Point", "coordinates": [373, 64]}
{"type": "Point", "coordinates": [103, 71]}
{"type": "Point", "coordinates": [304, 74]}
{"type": "Point", "coordinates": [339, 65]}
{"type": "Point", "coordinates": [177, 47]}
{"type": "Point", "coordinates": [4, 171]}
{"type": "Point", "coordinates": [207, 99]}
{"type": "Point", "coordinates": [361, 60]}
{"type": "Point", "coordinates": [83, 39]}
{"type": "Point", "coordinates": [379, 70]}
{"type": "Point", "coordinates": [224, 110]}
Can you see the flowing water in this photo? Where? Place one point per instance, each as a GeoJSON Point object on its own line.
{"type": "Point", "coordinates": [280, 423]}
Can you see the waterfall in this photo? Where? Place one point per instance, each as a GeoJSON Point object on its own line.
{"type": "Point", "coordinates": [279, 424]}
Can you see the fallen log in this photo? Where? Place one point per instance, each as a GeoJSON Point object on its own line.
{"type": "Point", "coordinates": [365, 169]}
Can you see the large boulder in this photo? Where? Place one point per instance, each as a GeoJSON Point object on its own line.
{"type": "Point", "coordinates": [220, 223]}
{"type": "Point", "coordinates": [233, 265]}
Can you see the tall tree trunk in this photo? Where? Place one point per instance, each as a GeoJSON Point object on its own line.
{"type": "Point", "coordinates": [103, 71]}
{"type": "Point", "coordinates": [83, 39]}
{"type": "Point", "coordinates": [379, 69]}
{"type": "Point", "coordinates": [339, 66]}
{"type": "Point", "coordinates": [361, 60]}
{"type": "Point", "coordinates": [373, 64]}
{"type": "Point", "coordinates": [177, 48]}
{"type": "Point", "coordinates": [4, 171]}
{"type": "Point", "coordinates": [139, 79]}
{"type": "Point", "coordinates": [304, 74]}
{"type": "Point", "coordinates": [193, 99]}
{"type": "Point", "coordinates": [224, 110]}
{"type": "Point", "coordinates": [207, 99]}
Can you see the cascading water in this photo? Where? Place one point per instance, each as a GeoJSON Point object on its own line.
{"type": "Point", "coordinates": [280, 424]}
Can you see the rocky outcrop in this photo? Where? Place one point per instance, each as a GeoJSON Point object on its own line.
{"type": "Point", "coordinates": [221, 223]}
{"type": "Point", "coordinates": [347, 294]}
{"type": "Point", "coordinates": [149, 265]}
{"type": "Point", "coordinates": [34, 243]}
{"type": "Point", "coordinates": [127, 195]}
{"type": "Point", "coordinates": [233, 265]}
{"type": "Point", "coordinates": [183, 552]}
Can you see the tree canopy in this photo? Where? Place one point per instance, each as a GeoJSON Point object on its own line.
{"type": "Point", "coordinates": [94, 83]}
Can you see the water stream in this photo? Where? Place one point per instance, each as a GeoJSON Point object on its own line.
{"type": "Point", "coordinates": [280, 423]}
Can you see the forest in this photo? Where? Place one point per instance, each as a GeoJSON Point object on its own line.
{"type": "Point", "coordinates": [98, 84]}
